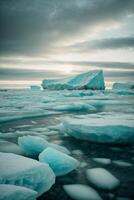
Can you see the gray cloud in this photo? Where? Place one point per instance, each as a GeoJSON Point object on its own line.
{"type": "Point", "coordinates": [106, 43]}
{"type": "Point", "coordinates": [31, 27]}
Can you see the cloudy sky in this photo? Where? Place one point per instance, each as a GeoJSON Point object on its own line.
{"type": "Point", "coordinates": [55, 38]}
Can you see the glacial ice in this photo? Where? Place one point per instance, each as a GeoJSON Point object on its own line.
{"type": "Point", "coordinates": [104, 128]}
{"type": "Point", "coordinates": [34, 145]}
{"type": "Point", "coordinates": [81, 192]}
{"type": "Point", "coordinates": [22, 171]}
{"type": "Point", "coordinates": [89, 80]}
{"type": "Point", "coordinates": [123, 86]}
{"type": "Point", "coordinates": [102, 178]}
{"type": "Point", "coordinates": [59, 162]}
{"type": "Point", "coordinates": [14, 192]}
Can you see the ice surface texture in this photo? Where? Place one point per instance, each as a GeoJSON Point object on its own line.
{"type": "Point", "coordinates": [13, 192]}
{"type": "Point", "coordinates": [34, 145]}
{"type": "Point", "coordinates": [22, 171]}
{"type": "Point", "coordinates": [81, 192]}
{"type": "Point", "coordinates": [123, 86]}
{"type": "Point", "coordinates": [59, 162]}
{"type": "Point", "coordinates": [90, 80]}
{"type": "Point", "coordinates": [104, 128]}
{"type": "Point", "coordinates": [102, 178]}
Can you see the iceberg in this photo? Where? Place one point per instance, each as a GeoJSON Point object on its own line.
{"type": "Point", "coordinates": [81, 192]}
{"type": "Point", "coordinates": [93, 80]}
{"type": "Point", "coordinates": [34, 145]}
{"type": "Point", "coordinates": [22, 171]}
{"type": "Point", "coordinates": [60, 163]}
{"type": "Point", "coordinates": [101, 128]}
{"type": "Point", "coordinates": [14, 192]}
{"type": "Point", "coordinates": [102, 178]}
{"type": "Point", "coordinates": [123, 86]}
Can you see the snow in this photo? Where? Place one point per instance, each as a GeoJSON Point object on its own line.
{"type": "Point", "coordinates": [102, 178]}
{"type": "Point", "coordinates": [103, 128]}
{"type": "Point", "coordinates": [60, 163]}
{"type": "Point", "coordinates": [14, 192]}
{"type": "Point", "coordinates": [22, 171]}
{"type": "Point", "coordinates": [122, 163]}
{"type": "Point", "coordinates": [34, 145]}
{"type": "Point", "coordinates": [123, 86]}
{"type": "Point", "coordinates": [88, 80]}
{"type": "Point", "coordinates": [10, 147]}
{"type": "Point", "coordinates": [81, 192]}
{"type": "Point", "coordinates": [104, 161]}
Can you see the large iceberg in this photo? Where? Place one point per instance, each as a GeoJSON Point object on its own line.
{"type": "Point", "coordinates": [59, 162]}
{"type": "Point", "coordinates": [14, 192]}
{"type": "Point", "coordinates": [101, 128]}
{"type": "Point", "coordinates": [93, 80]}
{"type": "Point", "coordinates": [123, 86]}
{"type": "Point", "coordinates": [34, 145]}
{"type": "Point", "coordinates": [22, 171]}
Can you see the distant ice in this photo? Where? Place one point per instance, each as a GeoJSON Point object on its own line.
{"type": "Point", "coordinates": [123, 86]}
{"type": "Point", "coordinates": [60, 163]}
{"type": "Point", "coordinates": [22, 171]}
{"type": "Point", "coordinates": [122, 163]}
{"type": "Point", "coordinates": [102, 178]}
{"type": "Point", "coordinates": [35, 88]}
{"type": "Point", "coordinates": [104, 161]}
{"type": "Point", "coordinates": [81, 192]}
{"type": "Point", "coordinates": [14, 192]}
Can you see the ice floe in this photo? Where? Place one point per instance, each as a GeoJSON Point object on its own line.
{"type": "Point", "coordinates": [122, 163]}
{"type": "Point", "coordinates": [60, 163]}
{"type": "Point", "coordinates": [101, 128]}
{"type": "Point", "coordinates": [104, 161]}
{"type": "Point", "coordinates": [34, 145]}
{"type": "Point", "coordinates": [22, 171]}
{"type": "Point", "coordinates": [102, 178]}
{"type": "Point", "coordinates": [88, 80]}
{"type": "Point", "coordinates": [10, 147]}
{"type": "Point", "coordinates": [14, 192]}
{"type": "Point", "coordinates": [81, 192]}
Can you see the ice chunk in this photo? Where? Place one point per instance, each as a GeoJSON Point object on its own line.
{"type": "Point", "coordinates": [77, 152]}
{"type": "Point", "coordinates": [123, 86]}
{"type": "Point", "coordinates": [22, 171]}
{"type": "Point", "coordinates": [101, 128]}
{"type": "Point", "coordinates": [104, 161]}
{"type": "Point", "coordinates": [73, 107]}
{"type": "Point", "coordinates": [34, 145]}
{"type": "Point", "coordinates": [58, 161]}
{"type": "Point", "coordinates": [10, 147]}
{"type": "Point", "coordinates": [14, 192]}
{"type": "Point", "coordinates": [35, 87]}
{"type": "Point", "coordinates": [122, 163]}
{"type": "Point", "coordinates": [90, 80]}
{"type": "Point", "coordinates": [102, 178]}
{"type": "Point", "coordinates": [81, 192]}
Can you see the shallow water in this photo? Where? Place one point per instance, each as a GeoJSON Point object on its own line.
{"type": "Point", "coordinates": [24, 110]}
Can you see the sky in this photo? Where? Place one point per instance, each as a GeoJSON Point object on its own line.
{"type": "Point", "coordinates": [42, 39]}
